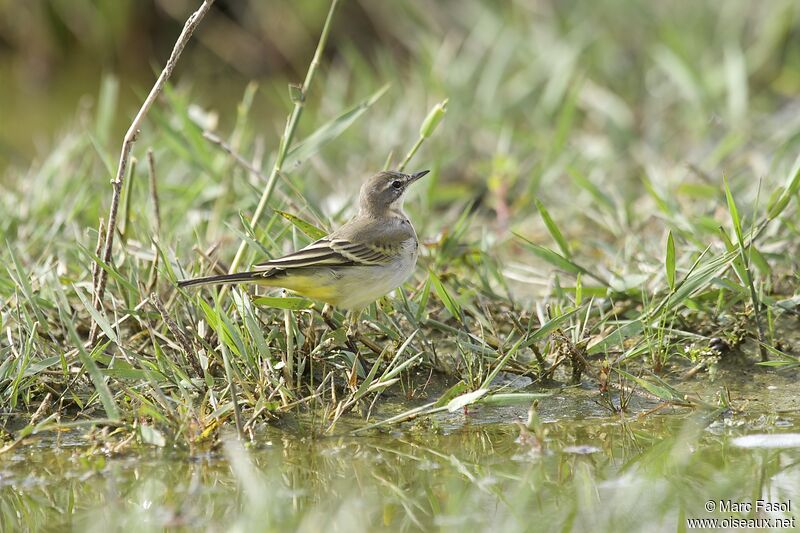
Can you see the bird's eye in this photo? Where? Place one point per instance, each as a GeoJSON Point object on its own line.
{"type": "Point", "coordinates": [397, 184]}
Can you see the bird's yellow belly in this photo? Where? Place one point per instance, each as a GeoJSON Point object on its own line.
{"type": "Point", "coordinates": [351, 287]}
{"type": "Point", "coordinates": [311, 286]}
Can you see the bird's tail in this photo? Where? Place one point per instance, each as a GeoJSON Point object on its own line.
{"type": "Point", "coordinates": [239, 277]}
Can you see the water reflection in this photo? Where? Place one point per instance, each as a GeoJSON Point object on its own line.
{"type": "Point", "coordinates": [603, 474]}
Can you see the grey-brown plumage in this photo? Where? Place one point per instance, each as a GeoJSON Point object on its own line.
{"type": "Point", "coordinates": [371, 255]}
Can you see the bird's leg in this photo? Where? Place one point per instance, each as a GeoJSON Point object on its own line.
{"type": "Point", "coordinates": [352, 329]}
{"type": "Point", "coordinates": [327, 316]}
{"type": "Point", "coordinates": [352, 342]}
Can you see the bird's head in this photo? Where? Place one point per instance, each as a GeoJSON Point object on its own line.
{"type": "Point", "coordinates": [384, 192]}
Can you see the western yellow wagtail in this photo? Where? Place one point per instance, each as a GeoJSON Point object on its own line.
{"type": "Point", "coordinates": [371, 255]}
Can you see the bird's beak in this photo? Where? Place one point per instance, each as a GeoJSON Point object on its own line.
{"type": "Point", "coordinates": [415, 176]}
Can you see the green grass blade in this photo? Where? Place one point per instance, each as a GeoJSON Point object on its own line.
{"type": "Point", "coordinates": [553, 229]}
{"type": "Point", "coordinates": [292, 303]}
{"type": "Point", "coordinates": [330, 130]}
{"type": "Point", "coordinates": [734, 212]}
{"type": "Point", "coordinates": [788, 192]}
{"type": "Point", "coordinates": [446, 299]}
{"type": "Point", "coordinates": [670, 262]}
{"type": "Point", "coordinates": [306, 227]}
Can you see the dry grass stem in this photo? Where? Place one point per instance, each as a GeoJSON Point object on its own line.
{"type": "Point", "coordinates": [130, 138]}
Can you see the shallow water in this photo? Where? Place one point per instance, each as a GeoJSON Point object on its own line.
{"type": "Point", "coordinates": [596, 471]}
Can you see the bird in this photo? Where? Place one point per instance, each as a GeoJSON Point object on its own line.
{"type": "Point", "coordinates": [372, 254]}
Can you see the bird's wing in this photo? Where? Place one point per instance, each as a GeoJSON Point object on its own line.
{"type": "Point", "coordinates": [331, 252]}
{"type": "Point", "coordinates": [365, 253]}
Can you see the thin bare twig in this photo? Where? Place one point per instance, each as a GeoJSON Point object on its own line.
{"type": "Point", "coordinates": [216, 267]}
{"type": "Point", "coordinates": [43, 407]}
{"type": "Point", "coordinates": [214, 139]}
{"type": "Point", "coordinates": [129, 140]}
{"type": "Point", "coordinates": [253, 169]}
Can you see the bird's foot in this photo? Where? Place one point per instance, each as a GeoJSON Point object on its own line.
{"type": "Point", "coordinates": [327, 316]}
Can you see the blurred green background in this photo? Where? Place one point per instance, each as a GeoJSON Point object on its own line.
{"type": "Point", "coordinates": [54, 54]}
{"type": "Point", "coordinates": [498, 61]}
